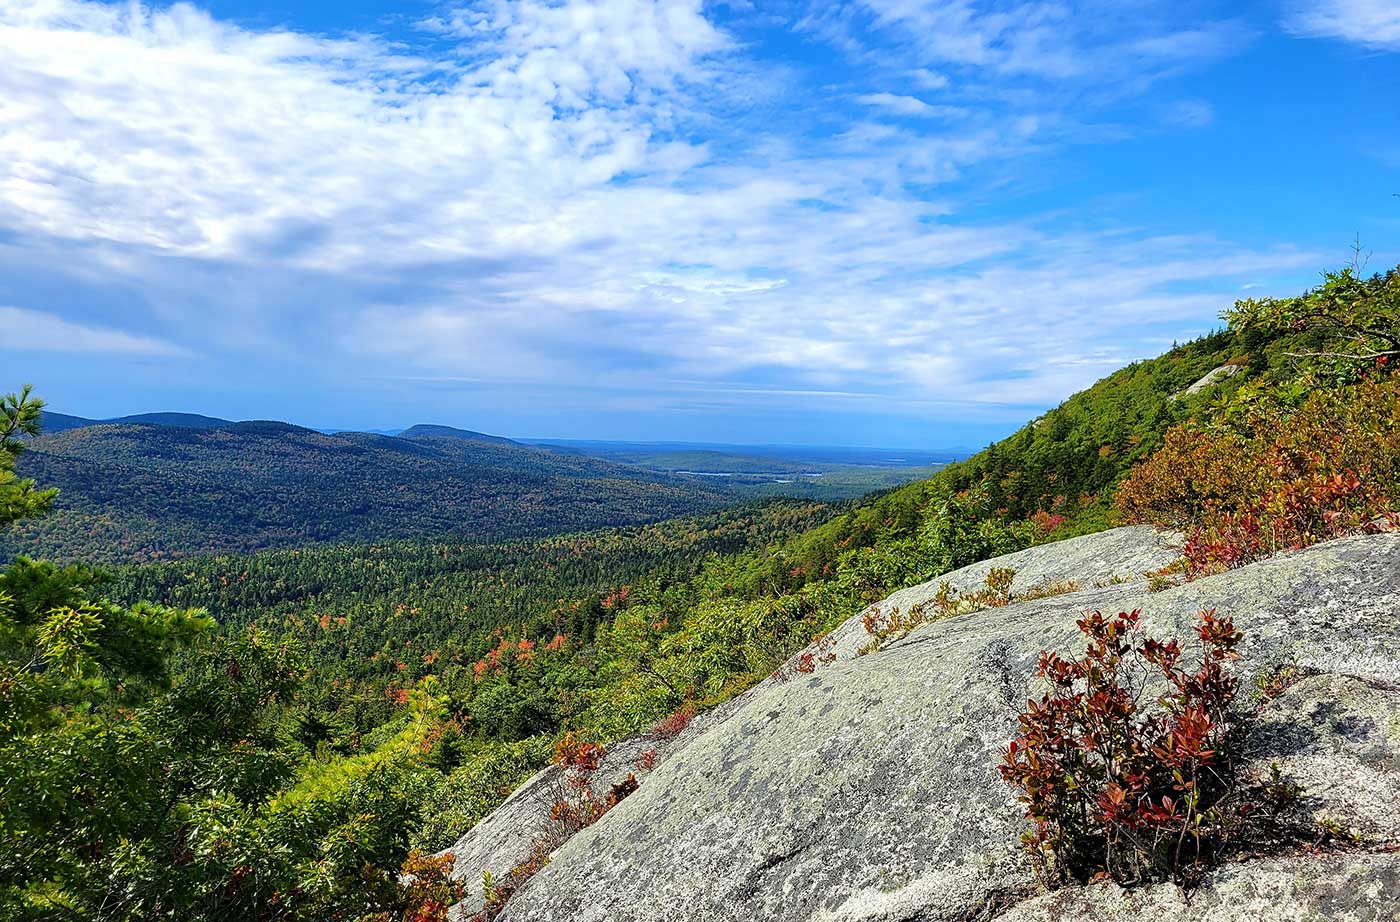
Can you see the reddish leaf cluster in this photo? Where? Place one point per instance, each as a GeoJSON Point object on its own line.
{"type": "Point", "coordinates": [672, 724]}
{"type": "Point", "coordinates": [883, 623]}
{"type": "Point", "coordinates": [1110, 786]}
{"type": "Point", "coordinates": [508, 653]}
{"type": "Point", "coordinates": [617, 599]}
{"type": "Point", "coordinates": [819, 654]}
{"type": "Point", "coordinates": [646, 761]}
{"type": "Point", "coordinates": [1047, 521]}
{"type": "Point", "coordinates": [572, 753]}
{"type": "Point", "coordinates": [426, 889]}
{"type": "Point", "coordinates": [575, 807]}
{"type": "Point", "coordinates": [1277, 479]}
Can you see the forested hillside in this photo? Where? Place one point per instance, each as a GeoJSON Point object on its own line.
{"type": "Point", "coordinates": [168, 485]}
{"type": "Point", "coordinates": [377, 618]}
{"type": "Point", "coordinates": [148, 491]}
{"type": "Point", "coordinates": [390, 695]}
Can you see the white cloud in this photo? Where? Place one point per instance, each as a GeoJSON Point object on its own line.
{"type": "Point", "coordinates": [908, 106]}
{"type": "Point", "coordinates": [169, 129]}
{"type": "Point", "coordinates": [1370, 23]}
{"type": "Point", "coordinates": [558, 197]}
{"type": "Point", "coordinates": [1084, 41]}
{"type": "Point", "coordinates": [581, 52]}
{"type": "Point", "coordinates": [40, 332]}
{"type": "Point", "coordinates": [928, 79]}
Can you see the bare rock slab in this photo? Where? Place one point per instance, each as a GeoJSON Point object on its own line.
{"type": "Point", "coordinates": [868, 790]}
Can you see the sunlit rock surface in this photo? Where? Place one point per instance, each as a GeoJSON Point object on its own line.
{"type": "Point", "coordinates": [868, 789]}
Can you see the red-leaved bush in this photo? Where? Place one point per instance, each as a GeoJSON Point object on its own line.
{"type": "Point", "coordinates": [1113, 784]}
{"type": "Point", "coordinates": [674, 723]}
{"type": "Point", "coordinates": [575, 806]}
{"type": "Point", "coordinates": [820, 653]}
{"type": "Point", "coordinates": [1272, 478]}
{"type": "Point", "coordinates": [426, 890]}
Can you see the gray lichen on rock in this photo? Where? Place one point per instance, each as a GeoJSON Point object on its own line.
{"type": "Point", "coordinates": [1209, 379]}
{"type": "Point", "coordinates": [1336, 888]}
{"type": "Point", "coordinates": [1338, 738]}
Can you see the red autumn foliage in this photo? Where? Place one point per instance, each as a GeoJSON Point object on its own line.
{"type": "Point", "coordinates": [510, 653]}
{"type": "Point", "coordinates": [1111, 786]}
{"type": "Point", "coordinates": [672, 724]}
{"type": "Point", "coordinates": [575, 807]}
{"type": "Point", "coordinates": [575, 754]}
{"type": "Point", "coordinates": [617, 599]}
{"type": "Point", "coordinates": [1275, 478]}
{"type": "Point", "coordinates": [806, 662]}
{"type": "Point", "coordinates": [426, 890]}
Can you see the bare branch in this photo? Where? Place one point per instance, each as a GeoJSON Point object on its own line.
{"type": "Point", "coordinates": [1342, 355]}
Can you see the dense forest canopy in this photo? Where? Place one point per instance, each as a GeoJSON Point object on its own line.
{"type": "Point", "coordinates": [147, 490]}
{"type": "Point", "coordinates": [165, 486]}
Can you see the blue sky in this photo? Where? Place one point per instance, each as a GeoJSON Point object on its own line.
{"type": "Point", "coordinates": [890, 222]}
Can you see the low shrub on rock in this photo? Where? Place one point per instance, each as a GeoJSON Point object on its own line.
{"type": "Point", "coordinates": [886, 625]}
{"type": "Point", "coordinates": [427, 891]}
{"type": "Point", "coordinates": [575, 806]}
{"type": "Point", "coordinates": [1126, 765]}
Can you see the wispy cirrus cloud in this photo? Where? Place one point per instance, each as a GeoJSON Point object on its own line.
{"type": "Point", "coordinates": [1369, 23]}
{"type": "Point", "coordinates": [1058, 43]}
{"type": "Point", "coordinates": [45, 332]}
{"type": "Point", "coordinates": [605, 194]}
{"type": "Point", "coordinates": [910, 106]}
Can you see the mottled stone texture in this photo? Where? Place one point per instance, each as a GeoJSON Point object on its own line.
{"type": "Point", "coordinates": [1335, 888]}
{"type": "Point", "coordinates": [504, 839]}
{"type": "Point", "coordinates": [1119, 554]}
{"type": "Point", "coordinates": [869, 790]}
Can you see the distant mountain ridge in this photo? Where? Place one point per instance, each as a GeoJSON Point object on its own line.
{"type": "Point", "coordinates": [155, 488]}
{"type": "Point", "coordinates": [163, 485]}
{"type": "Point", "coordinates": [61, 422]}
{"type": "Point", "coordinates": [430, 431]}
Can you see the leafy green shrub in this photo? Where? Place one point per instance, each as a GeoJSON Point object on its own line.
{"type": "Point", "coordinates": [963, 529]}
{"type": "Point", "coordinates": [1111, 786]}
{"type": "Point", "coordinates": [464, 797]}
{"type": "Point", "coordinates": [1355, 320]}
